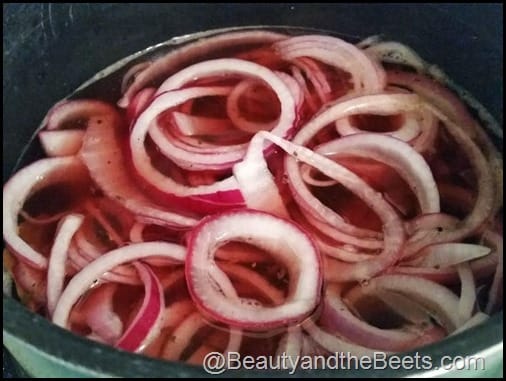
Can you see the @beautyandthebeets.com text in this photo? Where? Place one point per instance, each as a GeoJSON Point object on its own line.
{"type": "Point", "coordinates": [218, 363]}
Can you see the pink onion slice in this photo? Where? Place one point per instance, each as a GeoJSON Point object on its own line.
{"type": "Point", "coordinates": [81, 282]}
{"type": "Point", "coordinates": [395, 153]}
{"type": "Point", "coordinates": [448, 254]}
{"type": "Point", "coordinates": [147, 323]}
{"type": "Point", "coordinates": [176, 59]}
{"type": "Point", "coordinates": [176, 312]}
{"type": "Point", "coordinates": [21, 186]}
{"type": "Point", "coordinates": [282, 239]}
{"type": "Point", "coordinates": [78, 111]}
{"type": "Point", "coordinates": [467, 292]}
{"type": "Point", "coordinates": [191, 125]}
{"type": "Point", "coordinates": [283, 126]}
{"type": "Point", "coordinates": [58, 257]}
{"type": "Point", "coordinates": [333, 343]}
{"type": "Point", "coordinates": [495, 299]}
{"type": "Point", "coordinates": [181, 336]}
{"type": "Point", "coordinates": [102, 154]}
{"type": "Point", "coordinates": [380, 104]}
{"type": "Point", "coordinates": [256, 182]}
{"type": "Point", "coordinates": [366, 75]}
{"type": "Point", "coordinates": [393, 230]}
{"type": "Point", "coordinates": [61, 143]}
{"type": "Point", "coordinates": [337, 318]}
{"type": "Point", "coordinates": [442, 303]}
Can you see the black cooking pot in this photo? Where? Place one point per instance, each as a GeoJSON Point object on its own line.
{"type": "Point", "coordinates": [50, 49]}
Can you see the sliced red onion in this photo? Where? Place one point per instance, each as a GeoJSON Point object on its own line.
{"type": "Point", "coordinates": [290, 245]}
{"type": "Point", "coordinates": [176, 312]}
{"type": "Point", "coordinates": [80, 283]}
{"type": "Point", "coordinates": [485, 200]}
{"type": "Point", "coordinates": [442, 304]}
{"type": "Point", "coordinates": [139, 103]}
{"type": "Point", "coordinates": [380, 104]}
{"type": "Point", "coordinates": [100, 316]}
{"type": "Point", "coordinates": [234, 112]}
{"type": "Point", "coordinates": [477, 319]}
{"type": "Point", "coordinates": [404, 306]}
{"type": "Point", "coordinates": [181, 336]}
{"type": "Point", "coordinates": [307, 95]}
{"type": "Point", "coordinates": [256, 182]}
{"type": "Point", "coordinates": [136, 232]}
{"type": "Point", "coordinates": [395, 153]}
{"type": "Point", "coordinates": [61, 143]}
{"type": "Point", "coordinates": [409, 129]}
{"type": "Point", "coordinates": [283, 127]}
{"type": "Point", "coordinates": [180, 57]}
{"type": "Point", "coordinates": [102, 154]}
{"type": "Point", "coordinates": [131, 73]}
{"type": "Point", "coordinates": [495, 298]}
{"type": "Point", "coordinates": [338, 319]}
{"type": "Point", "coordinates": [448, 254]}
{"type": "Point", "coordinates": [147, 323]}
{"type": "Point", "coordinates": [254, 281]}
{"type": "Point", "coordinates": [190, 125]}
{"type": "Point", "coordinates": [290, 345]}
{"type": "Point", "coordinates": [467, 292]}
{"type": "Point", "coordinates": [316, 76]}
{"type": "Point", "coordinates": [41, 220]}
{"type": "Point", "coordinates": [366, 75]}
{"type": "Point", "coordinates": [58, 257]}
{"type": "Point", "coordinates": [99, 216]}
{"type": "Point", "coordinates": [79, 111]}
{"type": "Point", "coordinates": [334, 344]}
{"type": "Point", "coordinates": [25, 183]}
{"type": "Point", "coordinates": [393, 230]}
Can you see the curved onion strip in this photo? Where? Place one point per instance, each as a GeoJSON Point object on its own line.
{"type": "Point", "coordinates": [80, 283]}
{"type": "Point", "coordinates": [380, 104]}
{"type": "Point", "coordinates": [99, 216]}
{"type": "Point", "coordinates": [333, 343]}
{"type": "Point", "coordinates": [139, 103]}
{"type": "Point", "coordinates": [339, 252]}
{"type": "Point", "coordinates": [448, 254]}
{"type": "Point", "coordinates": [484, 204]}
{"type": "Point", "coordinates": [100, 316]}
{"type": "Point", "coordinates": [21, 186]}
{"type": "Point", "coordinates": [403, 306]}
{"type": "Point", "coordinates": [430, 221]}
{"type": "Point", "coordinates": [283, 127]}
{"type": "Point", "coordinates": [395, 153]}
{"type": "Point", "coordinates": [256, 182]}
{"type": "Point", "coordinates": [102, 154]}
{"type": "Point", "coordinates": [308, 97]}
{"type": "Point", "coordinates": [181, 336]}
{"type": "Point", "coordinates": [254, 281]}
{"type": "Point", "coordinates": [495, 293]}
{"type": "Point", "coordinates": [224, 191]}
{"type": "Point", "coordinates": [61, 143]}
{"type": "Point", "coordinates": [176, 312]}
{"type": "Point", "coordinates": [282, 239]}
{"type": "Point", "coordinates": [191, 125]}
{"type": "Point", "coordinates": [78, 110]}
{"type": "Point", "coordinates": [56, 267]}
{"type": "Point", "coordinates": [409, 129]}
{"type": "Point", "coordinates": [290, 346]}
{"type": "Point", "coordinates": [476, 319]}
{"type": "Point", "coordinates": [337, 318]}
{"type": "Point", "coordinates": [316, 76]}
{"type": "Point", "coordinates": [366, 74]}
{"type": "Point", "coordinates": [147, 323]}
{"type": "Point", "coordinates": [131, 73]}
{"type": "Point", "coordinates": [41, 220]}
{"type": "Point", "coordinates": [439, 301]}
{"type": "Point", "coordinates": [234, 111]}
{"type": "Point", "coordinates": [335, 234]}
{"type": "Point", "coordinates": [176, 59]}
{"type": "Point", "coordinates": [393, 230]}
{"type": "Point", "coordinates": [136, 232]}
{"type": "Point", "coordinates": [467, 292]}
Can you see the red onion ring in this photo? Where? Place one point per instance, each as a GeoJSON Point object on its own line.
{"type": "Point", "coordinates": [300, 257]}
{"type": "Point", "coordinates": [147, 323]}
{"type": "Point", "coordinates": [58, 257]}
{"type": "Point", "coordinates": [80, 283]}
{"type": "Point", "coordinates": [25, 183]}
{"type": "Point", "coordinates": [61, 143]}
